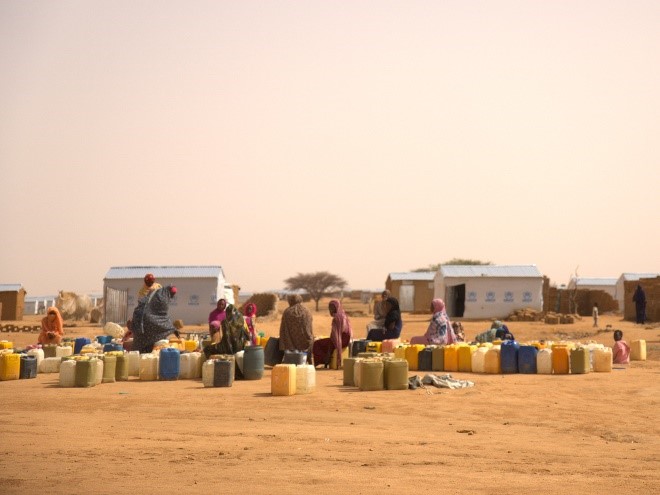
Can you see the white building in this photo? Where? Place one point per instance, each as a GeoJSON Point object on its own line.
{"type": "Point", "coordinates": [488, 291]}
{"type": "Point", "coordinates": [198, 290]}
{"type": "Point", "coordinates": [629, 277]}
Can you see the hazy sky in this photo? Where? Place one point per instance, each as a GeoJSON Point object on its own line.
{"type": "Point", "coordinates": [359, 137]}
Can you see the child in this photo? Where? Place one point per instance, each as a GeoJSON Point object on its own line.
{"type": "Point", "coordinates": [458, 331]}
{"type": "Point", "coordinates": [595, 314]}
{"type": "Point", "coordinates": [620, 350]}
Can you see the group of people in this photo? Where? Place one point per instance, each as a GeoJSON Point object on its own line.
{"type": "Point", "coordinates": [230, 330]}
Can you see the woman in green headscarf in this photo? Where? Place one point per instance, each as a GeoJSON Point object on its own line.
{"type": "Point", "coordinates": [235, 333]}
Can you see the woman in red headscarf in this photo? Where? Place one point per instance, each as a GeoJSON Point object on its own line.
{"type": "Point", "coordinates": [149, 286]}
{"type": "Point", "coordinates": [340, 336]}
{"type": "Point", "coordinates": [250, 315]}
{"type": "Point", "coordinates": [52, 327]}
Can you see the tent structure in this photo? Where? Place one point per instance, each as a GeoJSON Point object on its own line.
{"type": "Point", "coordinates": [198, 290]}
{"type": "Point", "coordinates": [488, 291]}
{"type": "Point", "coordinates": [414, 290]}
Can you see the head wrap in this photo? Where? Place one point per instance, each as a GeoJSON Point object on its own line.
{"type": "Point", "coordinates": [438, 305]}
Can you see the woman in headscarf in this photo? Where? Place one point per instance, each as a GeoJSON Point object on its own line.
{"type": "Point", "coordinates": [235, 332]}
{"type": "Point", "coordinates": [151, 322]}
{"type": "Point", "coordinates": [340, 336]}
{"type": "Point", "coordinates": [393, 323]}
{"type": "Point", "coordinates": [296, 332]}
{"type": "Point", "coordinates": [250, 315]}
{"type": "Point", "coordinates": [149, 286]}
{"type": "Point", "coordinates": [52, 327]}
{"type": "Point", "coordinates": [440, 330]}
{"type": "Point", "coordinates": [215, 320]}
{"type": "Point", "coordinates": [639, 298]}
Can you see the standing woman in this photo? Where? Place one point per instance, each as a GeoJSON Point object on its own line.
{"type": "Point", "coordinates": [215, 320]}
{"type": "Point", "coordinates": [250, 315]}
{"type": "Point", "coordinates": [340, 336]}
{"type": "Point", "coordinates": [52, 327]}
{"type": "Point", "coordinates": [639, 298]}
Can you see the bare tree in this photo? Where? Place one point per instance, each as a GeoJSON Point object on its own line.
{"type": "Point", "coordinates": [316, 284]}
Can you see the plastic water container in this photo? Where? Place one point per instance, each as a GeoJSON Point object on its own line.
{"type": "Point", "coordinates": [527, 359]}
{"type": "Point", "coordinates": [10, 366]}
{"type": "Point", "coordinates": [110, 346]}
{"type": "Point", "coordinates": [38, 353]}
{"type": "Point", "coordinates": [283, 379]}
{"type": "Point", "coordinates": [374, 346]}
{"type": "Point", "coordinates": [451, 358]}
{"type": "Point", "coordinates": [103, 339]}
{"type": "Point", "coordinates": [148, 367]}
{"type": "Point", "coordinates": [389, 345]}
{"type": "Point", "coordinates": [492, 361]}
{"type": "Point", "coordinates": [544, 361]}
{"type": "Point", "coordinates": [359, 346]}
{"type": "Point", "coordinates": [208, 370]}
{"type": "Point", "coordinates": [425, 359]}
{"type": "Point", "coordinates": [50, 350]}
{"type": "Point", "coordinates": [85, 374]}
{"type": "Point", "coordinates": [560, 362]}
{"type": "Point", "coordinates": [395, 374]}
{"type": "Point", "coordinates": [579, 358]}
{"type": "Point", "coordinates": [438, 360]}
{"type": "Point", "coordinates": [465, 353]}
{"type": "Point", "coordinates": [169, 364]}
{"type": "Point", "coordinates": [305, 379]}
{"type": "Point", "coordinates": [63, 351]}
{"type": "Point", "coordinates": [109, 369]}
{"type": "Point", "coordinates": [400, 351]}
{"type": "Point", "coordinates": [638, 350]}
{"type": "Point", "coordinates": [509, 356]}
{"type": "Point", "coordinates": [356, 371]}
{"type": "Point", "coordinates": [28, 367]}
{"type": "Point", "coordinates": [412, 356]}
{"type": "Point", "coordinates": [223, 372]}
{"type": "Point", "coordinates": [79, 343]}
{"type": "Point", "coordinates": [253, 362]}
{"type": "Point", "coordinates": [372, 375]}
{"type": "Point", "coordinates": [5, 344]}
{"type": "Point", "coordinates": [238, 358]}
{"type": "Point", "coordinates": [333, 358]}
{"type": "Point", "coordinates": [68, 373]}
{"type": "Point", "coordinates": [295, 357]}
{"type": "Point", "coordinates": [479, 360]}
{"type": "Point", "coordinates": [348, 366]}
{"type": "Point", "coordinates": [602, 360]}
{"type": "Point", "coordinates": [50, 365]}
{"type": "Point", "coordinates": [97, 366]}
{"type": "Point", "coordinates": [187, 365]}
{"type": "Point", "coordinates": [592, 346]}
{"type": "Point", "coordinates": [121, 368]}
{"type": "Point", "coordinates": [191, 345]}
{"type": "Point", "coordinates": [133, 363]}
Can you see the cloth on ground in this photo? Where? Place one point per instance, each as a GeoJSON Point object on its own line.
{"type": "Point", "coordinates": [439, 381]}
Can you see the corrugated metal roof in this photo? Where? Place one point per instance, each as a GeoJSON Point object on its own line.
{"type": "Point", "coordinates": [511, 271]}
{"type": "Point", "coordinates": [637, 276]}
{"type": "Point", "coordinates": [10, 287]}
{"type": "Point", "coordinates": [412, 275]}
{"type": "Point", "coordinates": [595, 281]}
{"type": "Point", "coordinates": [131, 272]}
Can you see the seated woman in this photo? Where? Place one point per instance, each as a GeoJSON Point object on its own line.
{"type": "Point", "coordinates": [235, 332]}
{"type": "Point", "coordinates": [250, 315]}
{"type": "Point", "coordinates": [490, 334]}
{"type": "Point", "coordinates": [52, 327]}
{"type": "Point", "coordinates": [440, 330]}
{"type": "Point", "coordinates": [392, 325]}
{"type": "Point", "coordinates": [215, 320]}
{"type": "Point", "coordinates": [379, 312]}
{"type": "Point", "coordinates": [340, 336]}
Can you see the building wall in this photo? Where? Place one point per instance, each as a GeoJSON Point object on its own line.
{"type": "Point", "coordinates": [12, 305]}
{"type": "Point", "coordinates": [424, 290]}
{"type": "Point", "coordinates": [651, 288]}
{"type": "Point", "coordinates": [195, 298]}
{"type": "Point", "coordinates": [492, 297]}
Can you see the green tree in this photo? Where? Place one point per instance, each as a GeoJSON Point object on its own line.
{"type": "Point", "coordinates": [316, 284]}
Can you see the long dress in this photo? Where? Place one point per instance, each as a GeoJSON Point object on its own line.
{"type": "Point", "coordinates": [296, 329]}
{"type": "Point", "coordinates": [151, 321]}
{"type": "Point", "coordinates": [340, 337]}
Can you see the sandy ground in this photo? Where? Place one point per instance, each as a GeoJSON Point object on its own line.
{"type": "Point", "coordinates": [510, 434]}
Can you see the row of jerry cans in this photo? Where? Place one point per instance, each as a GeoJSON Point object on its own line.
{"type": "Point", "coordinates": [17, 366]}
{"type": "Point", "coordinates": [363, 345]}
{"type": "Point", "coordinates": [292, 379]}
{"type": "Point", "coordinates": [376, 373]}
